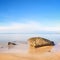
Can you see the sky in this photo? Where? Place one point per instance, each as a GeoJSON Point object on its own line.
{"type": "Point", "coordinates": [29, 16]}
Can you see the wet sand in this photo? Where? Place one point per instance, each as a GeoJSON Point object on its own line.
{"type": "Point", "coordinates": [43, 53]}
{"type": "Point", "coordinates": [40, 50]}
{"type": "Point", "coordinates": [45, 56]}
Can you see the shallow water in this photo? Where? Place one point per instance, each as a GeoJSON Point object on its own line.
{"type": "Point", "coordinates": [21, 39]}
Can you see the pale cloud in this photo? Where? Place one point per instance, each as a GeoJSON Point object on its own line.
{"type": "Point", "coordinates": [29, 27]}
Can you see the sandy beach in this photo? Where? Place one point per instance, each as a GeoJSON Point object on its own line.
{"type": "Point", "coordinates": [42, 53]}
{"type": "Point", "coordinates": [23, 51]}
{"type": "Point", "coordinates": [45, 56]}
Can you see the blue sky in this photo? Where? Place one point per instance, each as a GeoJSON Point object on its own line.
{"type": "Point", "coordinates": [29, 16]}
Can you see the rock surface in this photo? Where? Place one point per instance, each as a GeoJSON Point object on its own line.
{"type": "Point", "coordinates": [39, 42]}
{"type": "Point", "coordinates": [11, 43]}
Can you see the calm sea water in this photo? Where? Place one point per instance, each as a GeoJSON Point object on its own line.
{"type": "Point", "coordinates": [24, 37]}
{"type": "Point", "coordinates": [21, 47]}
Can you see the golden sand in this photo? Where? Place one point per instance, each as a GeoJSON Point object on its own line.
{"type": "Point", "coordinates": [32, 55]}
{"type": "Point", "coordinates": [45, 56]}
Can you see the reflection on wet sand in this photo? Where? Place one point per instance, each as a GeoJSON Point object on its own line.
{"type": "Point", "coordinates": [40, 49]}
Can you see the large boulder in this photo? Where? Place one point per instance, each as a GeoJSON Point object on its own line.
{"type": "Point", "coordinates": [39, 42]}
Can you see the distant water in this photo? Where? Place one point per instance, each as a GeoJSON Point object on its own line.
{"type": "Point", "coordinates": [24, 37]}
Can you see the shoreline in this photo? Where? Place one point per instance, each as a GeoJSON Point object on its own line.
{"type": "Point", "coordinates": [42, 53]}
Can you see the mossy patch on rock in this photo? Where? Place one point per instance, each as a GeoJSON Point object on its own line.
{"type": "Point", "coordinates": [39, 42]}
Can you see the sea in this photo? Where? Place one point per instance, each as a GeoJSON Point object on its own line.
{"type": "Point", "coordinates": [9, 37]}
{"type": "Point", "coordinates": [22, 38]}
